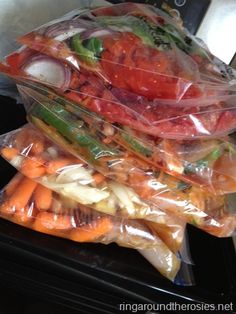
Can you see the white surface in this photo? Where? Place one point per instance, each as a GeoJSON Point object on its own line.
{"type": "Point", "coordinates": [218, 29]}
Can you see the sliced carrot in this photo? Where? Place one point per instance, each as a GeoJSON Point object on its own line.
{"type": "Point", "coordinates": [23, 193]}
{"type": "Point", "coordinates": [32, 168]}
{"type": "Point", "coordinates": [57, 164]}
{"type": "Point", "coordinates": [92, 232]}
{"type": "Point", "coordinates": [37, 147]}
{"type": "Point", "coordinates": [46, 222]}
{"type": "Point", "coordinates": [43, 197]}
{"type": "Point", "coordinates": [25, 215]}
{"type": "Point", "coordinates": [32, 162]}
{"type": "Point", "coordinates": [9, 153]}
{"type": "Point", "coordinates": [12, 185]}
{"type": "Point", "coordinates": [35, 172]}
{"type": "Point", "coordinates": [98, 178]}
{"type": "Point", "coordinates": [29, 137]}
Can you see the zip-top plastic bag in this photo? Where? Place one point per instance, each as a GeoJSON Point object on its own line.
{"type": "Point", "coordinates": [209, 164]}
{"type": "Point", "coordinates": [29, 204]}
{"type": "Point", "coordinates": [19, 16]}
{"type": "Point", "coordinates": [147, 71]}
{"type": "Point", "coordinates": [38, 158]}
{"type": "Point", "coordinates": [185, 119]}
{"type": "Point", "coordinates": [132, 46]}
{"type": "Point", "coordinates": [67, 128]}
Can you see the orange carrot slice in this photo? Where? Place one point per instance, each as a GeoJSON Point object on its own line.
{"type": "Point", "coordinates": [23, 193]}
{"type": "Point", "coordinates": [43, 197]}
{"type": "Point", "coordinates": [12, 185]}
{"type": "Point", "coordinates": [92, 232]}
{"type": "Point", "coordinates": [98, 178]}
{"type": "Point", "coordinates": [37, 147]}
{"type": "Point", "coordinates": [9, 153]}
{"type": "Point", "coordinates": [55, 165]}
{"type": "Point", "coordinates": [48, 222]}
{"type": "Point", "coordinates": [32, 168]}
{"type": "Point", "coordinates": [27, 137]}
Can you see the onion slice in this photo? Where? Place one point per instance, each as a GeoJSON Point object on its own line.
{"type": "Point", "coordinates": [68, 34]}
{"type": "Point", "coordinates": [48, 70]}
{"type": "Point", "coordinates": [96, 32]}
{"type": "Point", "coordinates": [66, 27]}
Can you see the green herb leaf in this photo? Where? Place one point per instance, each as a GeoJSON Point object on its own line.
{"type": "Point", "coordinates": [95, 45]}
{"type": "Point", "coordinates": [214, 155]}
{"type": "Point", "coordinates": [137, 146]}
{"type": "Point", "coordinates": [84, 53]}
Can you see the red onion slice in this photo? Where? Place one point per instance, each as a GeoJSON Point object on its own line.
{"type": "Point", "coordinates": [96, 32]}
{"type": "Point", "coordinates": [68, 34]}
{"type": "Point", "coordinates": [49, 71]}
{"type": "Point", "coordinates": [66, 29]}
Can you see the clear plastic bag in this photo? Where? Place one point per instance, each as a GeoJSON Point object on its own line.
{"type": "Point", "coordinates": [208, 164]}
{"type": "Point", "coordinates": [181, 120]}
{"type": "Point", "coordinates": [145, 71]}
{"type": "Point", "coordinates": [38, 158]}
{"type": "Point", "coordinates": [206, 211]}
{"type": "Point", "coordinates": [203, 163]}
{"type": "Point", "coordinates": [177, 59]}
{"type": "Point", "coordinates": [18, 17]}
{"type": "Point", "coordinates": [29, 204]}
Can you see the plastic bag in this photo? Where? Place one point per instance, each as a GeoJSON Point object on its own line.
{"type": "Point", "coordinates": [168, 119]}
{"type": "Point", "coordinates": [18, 16]}
{"type": "Point", "coordinates": [205, 163]}
{"type": "Point", "coordinates": [154, 77]}
{"type": "Point", "coordinates": [29, 204]}
{"type": "Point", "coordinates": [206, 211]}
{"type": "Point", "coordinates": [201, 162]}
{"type": "Point", "coordinates": [136, 32]}
{"type": "Point", "coordinates": [38, 158]}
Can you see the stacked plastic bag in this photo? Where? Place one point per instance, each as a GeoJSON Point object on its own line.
{"type": "Point", "coordinates": [127, 142]}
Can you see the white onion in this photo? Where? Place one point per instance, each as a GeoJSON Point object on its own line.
{"type": "Point", "coordinates": [122, 194]}
{"type": "Point", "coordinates": [48, 70]}
{"type": "Point", "coordinates": [82, 194]}
{"type": "Point", "coordinates": [75, 173]}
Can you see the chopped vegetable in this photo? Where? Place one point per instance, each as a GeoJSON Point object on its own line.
{"type": "Point", "coordinates": [21, 196]}
{"type": "Point", "coordinates": [43, 198]}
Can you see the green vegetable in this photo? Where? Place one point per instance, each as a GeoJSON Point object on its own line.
{"type": "Point", "coordinates": [151, 34]}
{"type": "Point", "coordinates": [141, 29]}
{"type": "Point", "coordinates": [84, 53]}
{"type": "Point", "coordinates": [136, 25]}
{"type": "Point", "coordinates": [203, 163]}
{"type": "Point", "coordinates": [137, 146]}
{"type": "Point", "coordinates": [63, 121]}
{"type": "Point", "coordinates": [214, 155]}
{"type": "Point", "coordinates": [175, 36]}
{"type": "Point", "coordinates": [94, 45]}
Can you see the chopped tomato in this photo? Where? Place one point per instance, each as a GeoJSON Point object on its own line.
{"type": "Point", "coordinates": [129, 64]}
